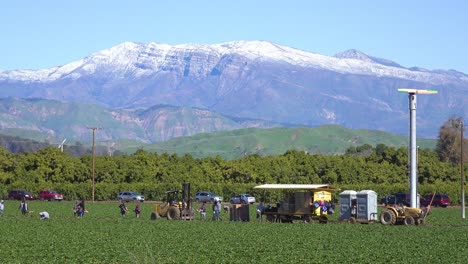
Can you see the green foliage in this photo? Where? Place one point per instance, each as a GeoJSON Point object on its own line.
{"type": "Point", "coordinates": [383, 169]}
{"type": "Point", "coordinates": [102, 236]}
{"type": "Point", "coordinates": [327, 140]}
{"type": "Point", "coordinates": [448, 145]}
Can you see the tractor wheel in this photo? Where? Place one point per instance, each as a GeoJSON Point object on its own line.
{"type": "Point", "coordinates": [421, 221]}
{"type": "Point", "coordinates": [388, 218]}
{"type": "Point", "coordinates": [409, 220]}
{"type": "Point", "coordinates": [173, 213]}
{"type": "Point", "coordinates": [323, 219]}
{"type": "Point", "coordinates": [352, 220]}
{"type": "Point", "coordinates": [271, 218]}
{"type": "Point", "coordinates": [155, 216]}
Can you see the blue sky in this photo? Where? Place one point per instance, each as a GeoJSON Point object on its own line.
{"type": "Point", "coordinates": [430, 34]}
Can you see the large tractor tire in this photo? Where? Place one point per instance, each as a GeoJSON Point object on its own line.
{"type": "Point", "coordinates": [388, 218]}
{"type": "Point", "coordinates": [173, 213]}
{"type": "Point", "coordinates": [421, 221]}
{"type": "Point", "coordinates": [271, 218]}
{"type": "Point", "coordinates": [323, 219]}
{"type": "Point", "coordinates": [409, 220]}
{"type": "Point", "coordinates": [155, 216]}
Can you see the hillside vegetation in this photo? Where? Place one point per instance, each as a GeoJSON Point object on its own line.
{"type": "Point", "coordinates": [234, 144]}
{"type": "Point", "coordinates": [327, 140]}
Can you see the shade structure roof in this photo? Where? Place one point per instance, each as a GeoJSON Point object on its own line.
{"type": "Point", "coordinates": [316, 187]}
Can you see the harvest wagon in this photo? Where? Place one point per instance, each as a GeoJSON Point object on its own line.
{"type": "Point", "coordinates": [306, 202]}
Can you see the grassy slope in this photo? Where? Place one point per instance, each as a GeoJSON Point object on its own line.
{"type": "Point", "coordinates": [328, 139]}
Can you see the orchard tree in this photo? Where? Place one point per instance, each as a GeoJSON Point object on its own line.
{"type": "Point", "coordinates": [448, 144]}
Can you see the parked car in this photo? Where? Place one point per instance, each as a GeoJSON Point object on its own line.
{"type": "Point", "coordinates": [440, 199]}
{"type": "Point", "coordinates": [19, 194]}
{"type": "Point", "coordinates": [50, 195]}
{"type": "Point", "coordinates": [130, 196]}
{"type": "Point", "coordinates": [243, 198]}
{"type": "Point", "coordinates": [207, 197]}
{"type": "Point", "coordinates": [397, 198]}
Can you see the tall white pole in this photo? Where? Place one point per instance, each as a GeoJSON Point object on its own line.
{"type": "Point", "coordinates": [413, 180]}
{"type": "Point", "coordinates": [412, 108]}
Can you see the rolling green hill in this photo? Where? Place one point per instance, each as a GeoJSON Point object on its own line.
{"type": "Point", "coordinates": [327, 140]}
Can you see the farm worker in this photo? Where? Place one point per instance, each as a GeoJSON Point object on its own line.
{"type": "Point", "coordinates": [216, 209]}
{"type": "Point", "coordinates": [76, 208]}
{"type": "Point", "coordinates": [80, 208]}
{"type": "Point", "coordinates": [260, 210]}
{"type": "Point", "coordinates": [123, 209]}
{"type": "Point", "coordinates": [83, 208]}
{"type": "Point", "coordinates": [137, 210]}
{"type": "Point", "coordinates": [23, 206]}
{"type": "Point", "coordinates": [202, 211]}
{"type": "Point", "coordinates": [44, 215]}
{"type": "Point", "coordinates": [331, 207]}
{"type": "Point", "coordinates": [2, 207]}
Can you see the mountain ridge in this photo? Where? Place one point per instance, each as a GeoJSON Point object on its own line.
{"type": "Point", "coordinates": [56, 120]}
{"type": "Point", "coordinates": [253, 49]}
{"type": "Point", "coordinates": [256, 80]}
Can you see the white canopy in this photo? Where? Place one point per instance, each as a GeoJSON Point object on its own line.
{"type": "Point", "coordinates": [297, 187]}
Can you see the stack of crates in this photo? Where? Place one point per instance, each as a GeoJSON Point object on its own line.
{"type": "Point", "coordinates": [239, 212]}
{"type": "Point", "coordinates": [302, 202]}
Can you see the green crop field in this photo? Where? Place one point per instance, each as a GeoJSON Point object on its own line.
{"type": "Point", "coordinates": [102, 236]}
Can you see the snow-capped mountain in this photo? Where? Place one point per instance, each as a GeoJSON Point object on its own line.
{"type": "Point", "coordinates": [145, 59]}
{"type": "Point", "coordinates": [250, 79]}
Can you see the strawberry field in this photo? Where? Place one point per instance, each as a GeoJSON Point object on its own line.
{"type": "Point", "coordinates": [102, 236]}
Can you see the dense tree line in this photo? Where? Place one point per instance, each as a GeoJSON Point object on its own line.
{"type": "Point", "coordinates": [381, 168]}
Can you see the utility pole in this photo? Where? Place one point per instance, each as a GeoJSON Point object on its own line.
{"type": "Point", "coordinates": [462, 172]}
{"type": "Point", "coordinates": [93, 155]}
{"type": "Point", "coordinates": [412, 139]}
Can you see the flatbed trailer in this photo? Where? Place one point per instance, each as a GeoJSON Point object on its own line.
{"type": "Point", "coordinates": [289, 218]}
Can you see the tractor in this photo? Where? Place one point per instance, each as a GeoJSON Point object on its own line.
{"type": "Point", "coordinates": [401, 214]}
{"type": "Point", "coordinates": [178, 205]}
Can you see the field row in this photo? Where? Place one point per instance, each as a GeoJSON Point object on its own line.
{"type": "Point", "coordinates": [103, 237]}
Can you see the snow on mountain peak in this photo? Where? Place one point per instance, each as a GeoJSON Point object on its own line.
{"type": "Point", "coordinates": [146, 59]}
{"type": "Point", "coordinates": [353, 54]}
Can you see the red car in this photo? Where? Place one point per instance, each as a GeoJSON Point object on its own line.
{"type": "Point", "coordinates": [50, 195]}
{"type": "Point", "coordinates": [440, 199]}
{"type": "Point", "coordinates": [20, 194]}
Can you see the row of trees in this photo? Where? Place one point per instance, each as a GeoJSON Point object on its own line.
{"type": "Point", "coordinates": [384, 170]}
{"type": "Point", "coordinates": [380, 168]}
